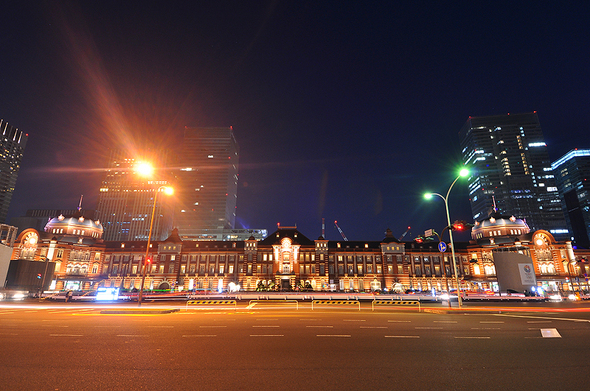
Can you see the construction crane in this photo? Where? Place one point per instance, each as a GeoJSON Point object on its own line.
{"type": "Point", "coordinates": [404, 234]}
{"type": "Point", "coordinates": [339, 230]}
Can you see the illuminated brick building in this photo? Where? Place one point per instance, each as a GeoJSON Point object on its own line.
{"type": "Point", "coordinates": [287, 260]}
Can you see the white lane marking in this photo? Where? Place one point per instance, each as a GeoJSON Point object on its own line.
{"type": "Point", "coordinates": [132, 335]}
{"type": "Point", "coordinates": [266, 335]}
{"type": "Point", "coordinates": [267, 319]}
{"type": "Point", "coordinates": [545, 317]}
{"type": "Point", "coordinates": [211, 327]}
{"type": "Point", "coordinates": [399, 321]}
{"type": "Point", "coordinates": [266, 326]}
{"type": "Point", "coordinates": [550, 333]}
{"type": "Point", "coordinates": [539, 321]}
{"type": "Point", "coordinates": [445, 321]}
{"type": "Point", "coordinates": [402, 336]}
{"type": "Point", "coordinates": [354, 320]}
{"type": "Point", "coordinates": [53, 325]}
{"type": "Point", "coordinates": [5, 313]}
{"type": "Point", "coordinates": [428, 328]}
{"type": "Point", "coordinates": [310, 319]}
{"type": "Point", "coordinates": [373, 327]}
{"type": "Point", "coordinates": [327, 327]}
{"type": "Point", "coordinates": [334, 335]}
{"type": "Point", "coordinates": [66, 335]}
{"type": "Point", "coordinates": [162, 327]}
{"type": "Point", "coordinates": [198, 335]}
{"type": "Point", "coordinates": [103, 326]}
{"type": "Point", "coordinates": [472, 337]}
{"type": "Point", "coordinates": [486, 328]}
{"type": "Point", "coordinates": [491, 322]}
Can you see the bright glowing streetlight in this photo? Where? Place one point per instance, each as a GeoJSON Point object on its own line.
{"type": "Point", "coordinates": [464, 172]}
{"type": "Point", "coordinates": [144, 169]}
{"type": "Point", "coordinates": [168, 191]}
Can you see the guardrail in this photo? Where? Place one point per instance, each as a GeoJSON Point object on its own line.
{"type": "Point", "coordinates": [258, 301]}
{"type": "Point", "coordinates": [335, 302]}
{"type": "Point", "coordinates": [212, 302]}
{"type": "Point", "coordinates": [385, 302]}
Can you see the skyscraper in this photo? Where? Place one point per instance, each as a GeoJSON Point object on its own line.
{"type": "Point", "coordinates": [126, 199]}
{"type": "Point", "coordinates": [207, 182]}
{"type": "Point", "coordinates": [13, 144]}
{"type": "Point", "coordinates": [572, 172]}
{"type": "Point", "coordinates": [510, 166]}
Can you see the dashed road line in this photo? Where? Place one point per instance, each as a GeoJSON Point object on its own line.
{"type": "Point", "coordinates": [486, 337]}
{"type": "Point", "coordinates": [198, 335]}
{"type": "Point", "coordinates": [266, 335]}
{"type": "Point", "coordinates": [334, 335]}
{"type": "Point", "coordinates": [402, 336]}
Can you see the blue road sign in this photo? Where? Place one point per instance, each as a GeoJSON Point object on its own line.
{"type": "Point", "coordinates": [442, 247]}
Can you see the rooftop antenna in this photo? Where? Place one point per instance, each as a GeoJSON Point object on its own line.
{"type": "Point", "coordinates": [323, 228]}
{"type": "Point", "coordinates": [80, 203]}
{"type": "Point", "coordinates": [495, 206]}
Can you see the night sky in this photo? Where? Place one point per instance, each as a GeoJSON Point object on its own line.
{"type": "Point", "coordinates": [346, 110]}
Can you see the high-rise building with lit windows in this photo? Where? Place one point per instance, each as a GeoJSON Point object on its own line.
{"type": "Point", "coordinates": [572, 172]}
{"type": "Point", "coordinates": [126, 199]}
{"type": "Point", "coordinates": [207, 183]}
{"type": "Point", "coordinates": [511, 171]}
{"type": "Point", "coordinates": [12, 147]}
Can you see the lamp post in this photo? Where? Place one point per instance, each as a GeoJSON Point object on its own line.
{"type": "Point", "coordinates": [167, 190]}
{"type": "Point", "coordinates": [462, 173]}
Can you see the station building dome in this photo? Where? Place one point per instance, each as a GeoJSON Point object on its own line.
{"type": "Point", "coordinates": [76, 226]}
{"type": "Point", "coordinates": [497, 226]}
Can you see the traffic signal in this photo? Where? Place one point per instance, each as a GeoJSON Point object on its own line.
{"type": "Point", "coordinates": [419, 239]}
{"type": "Point", "coordinates": [148, 260]}
{"type": "Point", "coordinates": [39, 276]}
{"type": "Point", "coordinates": [458, 226]}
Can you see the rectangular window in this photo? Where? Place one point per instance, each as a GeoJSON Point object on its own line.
{"type": "Point", "coordinates": [134, 269]}
{"type": "Point", "coordinates": [171, 268]}
{"type": "Point", "coordinates": [400, 269]}
{"type": "Point", "coordinates": [369, 268]}
{"type": "Point", "coordinates": [154, 269]}
{"type": "Point", "coordinates": [94, 268]}
{"type": "Point", "coordinates": [221, 269]}
{"type": "Point", "coordinates": [231, 269]}
{"type": "Point", "coordinates": [322, 270]}
{"type": "Point", "coordinates": [341, 270]}
{"type": "Point", "coordinates": [183, 269]}
{"type": "Point", "coordinates": [360, 269]}
{"type": "Point", "coordinates": [192, 269]}
{"type": "Point", "coordinates": [161, 269]}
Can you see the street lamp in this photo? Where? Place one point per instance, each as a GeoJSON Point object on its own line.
{"type": "Point", "coordinates": [168, 191]}
{"type": "Point", "coordinates": [462, 173]}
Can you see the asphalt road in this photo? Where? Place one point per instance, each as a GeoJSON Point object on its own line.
{"type": "Point", "coordinates": [278, 347]}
